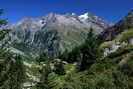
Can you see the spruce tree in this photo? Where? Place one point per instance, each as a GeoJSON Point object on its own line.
{"type": "Point", "coordinates": [16, 73]}
{"type": "Point", "coordinates": [90, 51]}
{"type": "Point", "coordinates": [4, 54]}
{"type": "Point", "coordinates": [44, 79]}
{"type": "Point", "coordinates": [12, 74]}
{"type": "Point", "coordinates": [3, 22]}
{"type": "Point", "coordinates": [11, 66]}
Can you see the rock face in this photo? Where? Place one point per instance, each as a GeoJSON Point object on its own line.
{"type": "Point", "coordinates": [115, 46]}
{"type": "Point", "coordinates": [54, 32]}
{"type": "Point", "coordinates": [131, 41]}
{"type": "Point", "coordinates": [111, 32]}
{"type": "Point", "coordinates": [112, 48]}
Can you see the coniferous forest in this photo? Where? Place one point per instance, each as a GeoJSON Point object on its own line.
{"type": "Point", "coordinates": [101, 61]}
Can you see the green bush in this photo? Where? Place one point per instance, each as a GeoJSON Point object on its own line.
{"type": "Point", "coordinates": [110, 79]}
{"type": "Point", "coordinates": [98, 67]}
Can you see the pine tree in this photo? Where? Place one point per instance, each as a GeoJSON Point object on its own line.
{"type": "Point", "coordinates": [2, 21]}
{"type": "Point", "coordinates": [11, 66]}
{"type": "Point", "coordinates": [44, 79]}
{"type": "Point", "coordinates": [12, 74]}
{"type": "Point", "coordinates": [16, 73]}
{"type": "Point", "coordinates": [4, 54]}
{"type": "Point", "coordinates": [90, 51]}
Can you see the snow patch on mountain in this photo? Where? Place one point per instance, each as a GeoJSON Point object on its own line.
{"type": "Point", "coordinates": [84, 17]}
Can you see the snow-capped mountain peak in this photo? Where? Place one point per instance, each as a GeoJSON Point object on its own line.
{"type": "Point", "coordinates": [84, 16]}
{"type": "Point", "coordinates": [73, 14]}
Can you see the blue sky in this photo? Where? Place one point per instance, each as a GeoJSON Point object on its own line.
{"type": "Point", "coordinates": [110, 10]}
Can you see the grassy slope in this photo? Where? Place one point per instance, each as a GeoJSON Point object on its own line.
{"type": "Point", "coordinates": [33, 70]}
{"type": "Point", "coordinates": [123, 37]}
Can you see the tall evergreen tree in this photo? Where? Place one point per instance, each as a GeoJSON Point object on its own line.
{"type": "Point", "coordinates": [2, 21]}
{"type": "Point", "coordinates": [44, 79]}
{"type": "Point", "coordinates": [15, 73]}
{"type": "Point", "coordinates": [4, 55]}
{"type": "Point", "coordinates": [11, 66]}
{"type": "Point", "coordinates": [90, 51]}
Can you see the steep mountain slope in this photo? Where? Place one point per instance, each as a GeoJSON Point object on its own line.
{"type": "Point", "coordinates": [122, 25]}
{"type": "Point", "coordinates": [54, 32]}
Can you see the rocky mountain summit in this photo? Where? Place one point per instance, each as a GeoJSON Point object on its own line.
{"type": "Point", "coordinates": [54, 32]}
